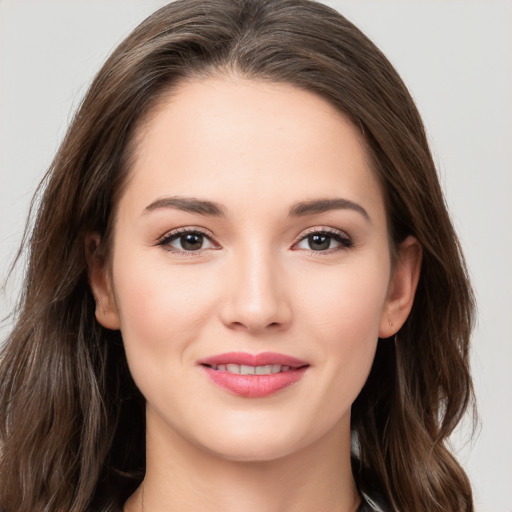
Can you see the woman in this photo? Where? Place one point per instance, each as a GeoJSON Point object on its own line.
{"type": "Point", "coordinates": [244, 289]}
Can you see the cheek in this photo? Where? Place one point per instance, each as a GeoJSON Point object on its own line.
{"type": "Point", "coordinates": [346, 300]}
{"type": "Point", "coordinates": [156, 295]}
{"type": "Point", "coordinates": [344, 315]}
{"type": "Point", "coordinates": [161, 308]}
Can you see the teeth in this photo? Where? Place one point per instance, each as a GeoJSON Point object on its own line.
{"type": "Point", "coordinates": [243, 369]}
{"type": "Point", "coordinates": [264, 370]}
{"type": "Point", "coordinates": [246, 370]}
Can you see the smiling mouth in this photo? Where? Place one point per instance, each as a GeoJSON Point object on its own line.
{"type": "Point", "coordinates": [242, 369]}
{"type": "Point", "coordinates": [253, 375]}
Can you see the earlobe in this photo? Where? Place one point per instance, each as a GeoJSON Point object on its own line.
{"type": "Point", "coordinates": [402, 287]}
{"type": "Point", "coordinates": [99, 281]}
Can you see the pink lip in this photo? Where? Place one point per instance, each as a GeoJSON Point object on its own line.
{"type": "Point", "coordinates": [262, 359]}
{"type": "Point", "coordinates": [254, 386]}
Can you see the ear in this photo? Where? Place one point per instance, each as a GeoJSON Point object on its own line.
{"type": "Point", "coordinates": [100, 283]}
{"type": "Point", "coordinates": [402, 287]}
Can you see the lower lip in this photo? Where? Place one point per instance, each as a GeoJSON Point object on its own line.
{"type": "Point", "coordinates": [254, 386]}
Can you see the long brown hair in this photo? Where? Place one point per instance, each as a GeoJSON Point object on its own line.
{"type": "Point", "coordinates": [72, 420]}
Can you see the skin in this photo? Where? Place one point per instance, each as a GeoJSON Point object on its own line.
{"type": "Point", "coordinates": [254, 285]}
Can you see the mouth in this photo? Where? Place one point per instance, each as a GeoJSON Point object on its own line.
{"type": "Point", "coordinates": [243, 369]}
{"type": "Point", "coordinates": [253, 375]}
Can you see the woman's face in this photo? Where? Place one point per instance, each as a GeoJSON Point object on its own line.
{"type": "Point", "coordinates": [251, 237]}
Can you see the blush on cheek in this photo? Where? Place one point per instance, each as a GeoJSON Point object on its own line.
{"type": "Point", "coordinates": [347, 308]}
{"type": "Point", "coordinates": [161, 309]}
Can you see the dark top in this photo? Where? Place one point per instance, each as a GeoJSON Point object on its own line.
{"type": "Point", "coordinates": [375, 503]}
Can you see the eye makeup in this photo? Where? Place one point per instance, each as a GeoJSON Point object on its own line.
{"type": "Point", "coordinates": [187, 237]}
{"type": "Point", "coordinates": [190, 241]}
{"type": "Point", "coordinates": [319, 240]}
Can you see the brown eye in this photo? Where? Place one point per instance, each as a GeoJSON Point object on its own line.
{"type": "Point", "coordinates": [186, 241]}
{"type": "Point", "coordinates": [319, 242]}
{"type": "Point", "coordinates": [191, 241]}
{"type": "Point", "coordinates": [322, 241]}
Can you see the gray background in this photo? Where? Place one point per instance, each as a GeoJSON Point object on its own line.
{"type": "Point", "coordinates": [456, 58]}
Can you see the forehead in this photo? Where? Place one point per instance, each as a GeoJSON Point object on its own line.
{"type": "Point", "coordinates": [234, 139]}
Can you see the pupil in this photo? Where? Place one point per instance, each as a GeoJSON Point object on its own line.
{"type": "Point", "coordinates": [319, 242]}
{"type": "Point", "coordinates": [191, 241]}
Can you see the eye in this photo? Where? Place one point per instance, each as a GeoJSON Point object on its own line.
{"type": "Point", "coordinates": [186, 241]}
{"type": "Point", "coordinates": [325, 241]}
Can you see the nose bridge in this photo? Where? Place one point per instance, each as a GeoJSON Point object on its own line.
{"type": "Point", "coordinates": [257, 298]}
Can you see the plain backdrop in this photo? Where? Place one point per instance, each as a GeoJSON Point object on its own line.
{"type": "Point", "coordinates": [456, 58]}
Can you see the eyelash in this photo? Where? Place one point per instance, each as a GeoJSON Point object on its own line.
{"type": "Point", "coordinates": [338, 236]}
{"type": "Point", "coordinates": [177, 233]}
{"type": "Point", "coordinates": [334, 234]}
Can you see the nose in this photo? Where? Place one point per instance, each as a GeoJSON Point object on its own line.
{"type": "Point", "coordinates": [256, 298]}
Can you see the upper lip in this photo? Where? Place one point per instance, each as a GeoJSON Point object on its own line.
{"type": "Point", "coordinates": [262, 359]}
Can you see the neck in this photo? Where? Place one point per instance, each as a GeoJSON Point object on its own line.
{"type": "Point", "coordinates": [181, 477]}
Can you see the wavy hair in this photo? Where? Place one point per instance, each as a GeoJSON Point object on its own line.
{"type": "Point", "coordinates": [72, 420]}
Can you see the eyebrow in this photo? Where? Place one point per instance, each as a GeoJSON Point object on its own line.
{"type": "Point", "coordinates": [187, 204]}
{"type": "Point", "coordinates": [300, 209]}
{"type": "Point", "coordinates": [304, 208]}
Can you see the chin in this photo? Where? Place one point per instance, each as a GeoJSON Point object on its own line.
{"type": "Point", "coordinates": [255, 452]}
{"type": "Point", "coordinates": [254, 445]}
